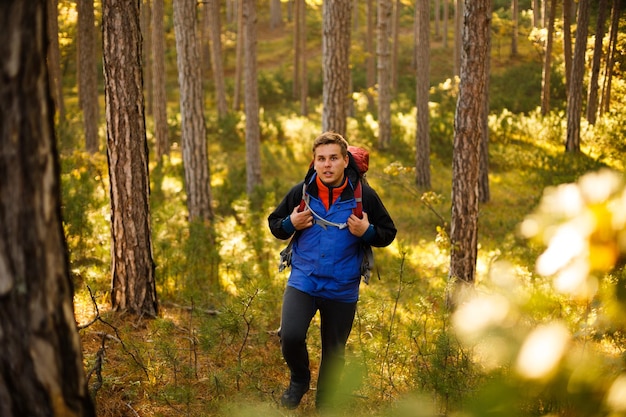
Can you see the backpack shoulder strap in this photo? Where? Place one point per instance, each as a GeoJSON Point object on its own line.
{"type": "Point", "coordinates": [358, 196]}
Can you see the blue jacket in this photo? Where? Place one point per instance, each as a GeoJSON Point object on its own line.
{"type": "Point", "coordinates": [326, 260]}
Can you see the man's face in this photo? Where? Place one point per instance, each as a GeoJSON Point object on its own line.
{"type": "Point", "coordinates": [330, 164]}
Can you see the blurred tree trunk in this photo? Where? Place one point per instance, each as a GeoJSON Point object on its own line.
{"type": "Point", "coordinates": [41, 366]}
{"type": "Point", "coordinates": [592, 98]}
{"type": "Point", "coordinates": [458, 35]}
{"type": "Point", "coordinates": [567, 41]}
{"type": "Point", "coordinates": [537, 22]}
{"type": "Point", "coordinates": [159, 101]}
{"type": "Point", "coordinates": [469, 128]}
{"type": "Point", "coordinates": [193, 129]}
{"type": "Point", "coordinates": [575, 96]}
{"type": "Point", "coordinates": [336, 16]}
{"type": "Point", "coordinates": [422, 82]}
{"type": "Point", "coordinates": [54, 57]}
{"type": "Point", "coordinates": [296, 49]}
{"type": "Point", "coordinates": [146, 64]}
{"type": "Point", "coordinates": [515, 28]}
{"type": "Point", "coordinates": [370, 53]}
{"type": "Point", "coordinates": [446, 17]}
{"type": "Point", "coordinates": [304, 81]}
{"type": "Point", "coordinates": [605, 104]}
{"type": "Point", "coordinates": [215, 37]}
{"type": "Point", "coordinates": [88, 73]}
{"type": "Point", "coordinates": [251, 98]}
{"type": "Point", "coordinates": [437, 17]}
{"type": "Point", "coordinates": [547, 61]}
{"type": "Point", "coordinates": [484, 192]}
{"type": "Point", "coordinates": [383, 54]}
{"type": "Point", "coordinates": [395, 34]}
{"type": "Point", "coordinates": [276, 15]}
{"type": "Point", "coordinates": [444, 30]}
{"type": "Point", "coordinates": [239, 56]}
{"type": "Point", "coordinates": [133, 279]}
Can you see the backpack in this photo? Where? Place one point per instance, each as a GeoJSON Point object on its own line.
{"type": "Point", "coordinates": [358, 162]}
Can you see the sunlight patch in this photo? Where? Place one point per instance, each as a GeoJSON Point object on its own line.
{"type": "Point", "coordinates": [542, 351]}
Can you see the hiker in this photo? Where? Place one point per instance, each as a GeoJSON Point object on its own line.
{"type": "Point", "coordinates": [328, 249]}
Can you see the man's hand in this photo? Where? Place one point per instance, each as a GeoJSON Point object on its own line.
{"type": "Point", "coordinates": [301, 219]}
{"type": "Point", "coordinates": [357, 226]}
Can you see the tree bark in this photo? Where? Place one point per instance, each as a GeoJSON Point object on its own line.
{"type": "Point", "coordinates": [88, 73]}
{"type": "Point", "coordinates": [336, 64]}
{"type": "Point", "coordinates": [469, 127]}
{"type": "Point", "coordinates": [575, 96]}
{"type": "Point", "coordinates": [159, 101]}
{"type": "Point", "coordinates": [193, 129]}
{"type": "Point", "coordinates": [304, 81]}
{"type": "Point", "coordinates": [215, 36]}
{"type": "Point", "coordinates": [133, 278]}
{"type": "Point", "coordinates": [41, 367]}
{"type": "Point", "coordinates": [515, 28]}
{"type": "Point", "coordinates": [422, 82]}
{"type": "Point", "coordinates": [54, 57]}
{"type": "Point", "coordinates": [567, 41]}
{"type": "Point", "coordinates": [592, 98]}
{"type": "Point", "coordinates": [458, 35]}
{"type": "Point", "coordinates": [547, 61]}
{"type": "Point", "coordinates": [383, 54]}
{"type": "Point", "coordinates": [251, 98]}
{"type": "Point", "coordinates": [239, 56]}
{"type": "Point", "coordinates": [605, 104]}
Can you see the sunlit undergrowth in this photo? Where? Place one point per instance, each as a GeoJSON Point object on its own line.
{"type": "Point", "coordinates": [214, 348]}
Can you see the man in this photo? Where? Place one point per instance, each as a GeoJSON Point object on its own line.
{"type": "Point", "coordinates": [328, 248]}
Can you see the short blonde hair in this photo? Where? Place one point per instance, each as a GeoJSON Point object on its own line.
{"type": "Point", "coordinates": [328, 138]}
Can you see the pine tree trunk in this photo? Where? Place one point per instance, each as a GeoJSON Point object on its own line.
{"type": "Point", "coordinates": [159, 102]}
{"type": "Point", "coordinates": [383, 53]}
{"type": "Point", "coordinates": [422, 138]}
{"type": "Point", "coordinates": [467, 141]}
{"type": "Point", "coordinates": [575, 96]}
{"type": "Point", "coordinates": [251, 98]}
{"type": "Point", "coordinates": [515, 29]}
{"type": "Point", "coordinates": [547, 61]}
{"type": "Point", "coordinates": [88, 73]}
{"type": "Point", "coordinates": [567, 41]}
{"type": "Point", "coordinates": [304, 82]}
{"type": "Point", "coordinates": [215, 35]}
{"type": "Point", "coordinates": [298, 4]}
{"type": "Point", "coordinates": [41, 366]}
{"type": "Point", "coordinates": [133, 278]}
{"type": "Point", "coordinates": [54, 57]}
{"type": "Point", "coordinates": [239, 56]}
{"type": "Point", "coordinates": [605, 104]}
{"type": "Point", "coordinates": [336, 64]}
{"type": "Point", "coordinates": [592, 98]}
{"type": "Point", "coordinates": [193, 129]}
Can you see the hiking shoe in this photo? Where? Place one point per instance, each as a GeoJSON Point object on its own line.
{"type": "Point", "coordinates": [293, 395]}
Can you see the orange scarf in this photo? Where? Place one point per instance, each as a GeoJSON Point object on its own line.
{"type": "Point", "coordinates": [324, 191]}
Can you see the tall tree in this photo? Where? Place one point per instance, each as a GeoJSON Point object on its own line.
{"type": "Point", "coordinates": [547, 60]}
{"type": "Point", "coordinates": [446, 17]}
{"type": "Point", "coordinates": [88, 73]}
{"type": "Point", "coordinates": [133, 275]}
{"type": "Point", "coordinates": [304, 82]}
{"type": "Point", "coordinates": [54, 57]}
{"type": "Point", "coordinates": [239, 56]}
{"type": "Point", "coordinates": [193, 129]}
{"type": "Point", "coordinates": [276, 15]}
{"type": "Point", "coordinates": [370, 60]}
{"type": "Point", "coordinates": [515, 27]}
{"type": "Point", "coordinates": [41, 367]}
{"type": "Point", "coordinates": [458, 35]}
{"type": "Point", "coordinates": [422, 82]}
{"type": "Point", "coordinates": [296, 48]}
{"type": "Point", "coordinates": [251, 99]}
{"type": "Point", "coordinates": [592, 97]}
{"type": "Point", "coordinates": [383, 54]}
{"type": "Point", "coordinates": [215, 36]}
{"type": "Point", "coordinates": [608, 72]}
{"type": "Point", "coordinates": [575, 96]}
{"type": "Point", "coordinates": [468, 134]}
{"type": "Point", "coordinates": [395, 45]}
{"type": "Point", "coordinates": [336, 16]}
{"type": "Point", "coordinates": [567, 41]}
{"type": "Point", "coordinates": [159, 95]}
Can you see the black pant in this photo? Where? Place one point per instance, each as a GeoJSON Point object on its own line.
{"type": "Point", "coordinates": [336, 324]}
